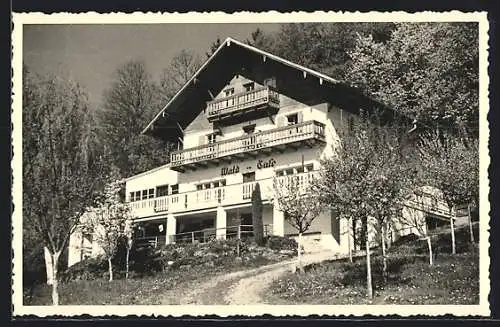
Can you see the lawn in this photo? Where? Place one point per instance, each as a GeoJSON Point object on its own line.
{"type": "Point", "coordinates": [453, 279]}
{"type": "Point", "coordinates": [193, 264]}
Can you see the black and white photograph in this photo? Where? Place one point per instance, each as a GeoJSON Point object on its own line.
{"type": "Point", "coordinates": [248, 163]}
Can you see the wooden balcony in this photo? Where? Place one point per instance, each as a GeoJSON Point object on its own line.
{"type": "Point", "coordinates": [279, 139]}
{"type": "Point", "coordinates": [250, 104]}
{"type": "Point", "coordinates": [210, 198]}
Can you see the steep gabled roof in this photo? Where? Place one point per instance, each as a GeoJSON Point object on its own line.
{"type": "Point", "coordinates": [234, 57]}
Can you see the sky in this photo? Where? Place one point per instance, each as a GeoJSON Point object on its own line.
{"type": "Point", "coordinates": [89, 54]}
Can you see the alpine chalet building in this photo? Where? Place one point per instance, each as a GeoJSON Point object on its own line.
{"type": "Point", "coordinates": [245, 117]}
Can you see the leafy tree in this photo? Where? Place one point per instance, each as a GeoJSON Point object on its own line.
{"type": "Point", "coordinates": [299, 204]}
{"type": "Point", "coordinates": [428, 71]}
{"type": "Point", "coordinates": [61, 168]}
{"type": "Point", "coordinates": [451, 164]}
{"type": "Point", "coordinates": [108, 221]}
{"type": "Point", "coordinates": [129, 105]}
{"type": "Point", "coordinates": [320, 46]}
{"type": "Point", "coordinates": [257, 207]}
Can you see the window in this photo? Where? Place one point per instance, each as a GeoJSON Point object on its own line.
{"type": "Point", "coordinates": [229, 92]}
{"type": "Point", "coordinates": [249, 129]}
{"type": "Point", "coordinates": [295, 170]}
{"type": "Point", "coordinates": [132, 196]}
{"type": "Point", "coordinates": [292, 119]}
{"type": "Point", "coordinates": [162, 190]}
{"type": "Point", "coordinates": [249, 177]}
{"type": "Point", "coordinates": [210, 185]}
{"type": "Point", "coordinates": [212, 138]}
{"type": "Point", "coordinates": [271, 81]}
{"type": "Point", "coordinates": [249, 86]}
{"type": "Point", "coordinates": [151, 193]}
{"type": "Point", "coordinates": [144, 194]}
{"type": "Point", "coordinates": [137, 195]}
{"type": "Point", "coordinates": [175, 189]}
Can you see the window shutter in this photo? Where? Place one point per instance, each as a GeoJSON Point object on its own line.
{"type": "Point", "coordinates": [300, 117]}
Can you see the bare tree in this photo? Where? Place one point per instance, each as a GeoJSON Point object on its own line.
{"type": "Point", "coordinates": [452, 165]}
{"type": "Point", "coordinates": [61, 168]}
{"type": "Point", "coordinates": [299, 204]}
{"type": "Point", "coordinates": [181, 68]}
{"type": "Point", "coordinates": [109, 221]}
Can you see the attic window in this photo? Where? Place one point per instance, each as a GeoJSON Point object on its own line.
{"type": "Point", "coordinates": [249, 86]}
{"type": "Point", "coordinates": [249, 129]}
{"type": "Point", "coordinates": [292, 119]}
{"type": "Point", "coordinates": [229, 92]}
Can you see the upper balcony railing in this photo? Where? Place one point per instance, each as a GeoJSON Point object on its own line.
{"type": "Point", "coordinates": [258, 99]}
{"type": "Point", "coordinates": [308, 132]}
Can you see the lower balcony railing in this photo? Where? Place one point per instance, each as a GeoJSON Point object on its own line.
{"type": "Point", "coordinates": [309, 132]}
{"type": "Point", "coordinates": [209, 198]}
{"type": "Point", "coordinates": [202, 236]}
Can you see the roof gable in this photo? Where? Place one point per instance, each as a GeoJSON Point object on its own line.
{"type": "Point", "coordinates": [236, 58]}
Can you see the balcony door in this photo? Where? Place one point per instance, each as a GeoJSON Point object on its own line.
{"type": "Point", "coordinates": [248, 184]}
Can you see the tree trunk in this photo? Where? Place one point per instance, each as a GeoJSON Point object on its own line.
{"type": "Point", "coordinates": [55, 266]}
{"type": "Point", "coordinates": [349, 238]}
{"type": "Point", "coordinates": [369, 287]}
{"type": "Point", "coordinates": [299, 253]}
{"type": "Point", "coordinates": [452, 226]}
{"type": "Point", "coordinates": [110, 269]}
{"type": "Point", "coordinates": [384, 256]}
{"type": "Point", "coordinates": [429, 245]}
{"type": "Point", "coordinates": [126, 262]}
{"type": "Point", "coordinates": [470, 225]}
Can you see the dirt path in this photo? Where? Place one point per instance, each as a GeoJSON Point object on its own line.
{"type": "Point", "coordinates": [242, 287]}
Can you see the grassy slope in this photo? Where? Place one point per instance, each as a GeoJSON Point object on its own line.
{"type": "Point", "coordinates": [145, 290]}
{"type": "Point", "coordinates": [454, 279]}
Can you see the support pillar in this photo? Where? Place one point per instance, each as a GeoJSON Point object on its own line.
{"type": "Point", "coordinates": [171, 229]}
{"type": "Point", "coordinates": [278, 221]}
{"type": "Point", "coordinates": [221, 223]}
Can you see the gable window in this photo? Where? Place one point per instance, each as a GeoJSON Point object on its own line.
{"type": "Point", "coordinates": [292, 119]}
{"type": "Point", "coordinates": [249, 86]}
{"type": "Point", "coordinates": [229, 92]}
{"type": "Point", "coordinates": [211, 138]}
{"type": "Point", "coordinates": [249, 129]}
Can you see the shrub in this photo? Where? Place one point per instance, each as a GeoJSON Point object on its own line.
{"type": "Point", "coordinates": [88, 269]}
{"type": "Point", "coordinates": [280, 243]}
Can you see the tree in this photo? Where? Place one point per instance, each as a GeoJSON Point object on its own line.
{"type": "Point", "coordinates": [213, 47]}
{"type": "Point", "coordinates": [414, 219]}
{"type": "Point", "coordinates": [299, 204]}
{"type": "Point", "coordinates": [61, 168]}
{"type": "Point", "coordinates": [428, 71]}
{"type": "Point", "coordinates": [129, 236]}
{"type": "Point", "coordinates": [451, 164]}
{"type": "Point", "coordinates": [181, 68]}
{"type": "Point", "coordinates": [129, 105]}
{"type": "Point", "coordinates": [108, 221]}
{"type": "Point", "coordinates": [257, 207]}
{"type": "Point", "coordinates": [320, 46]}
{"type": "Point", "coordinates": [363, 179]}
